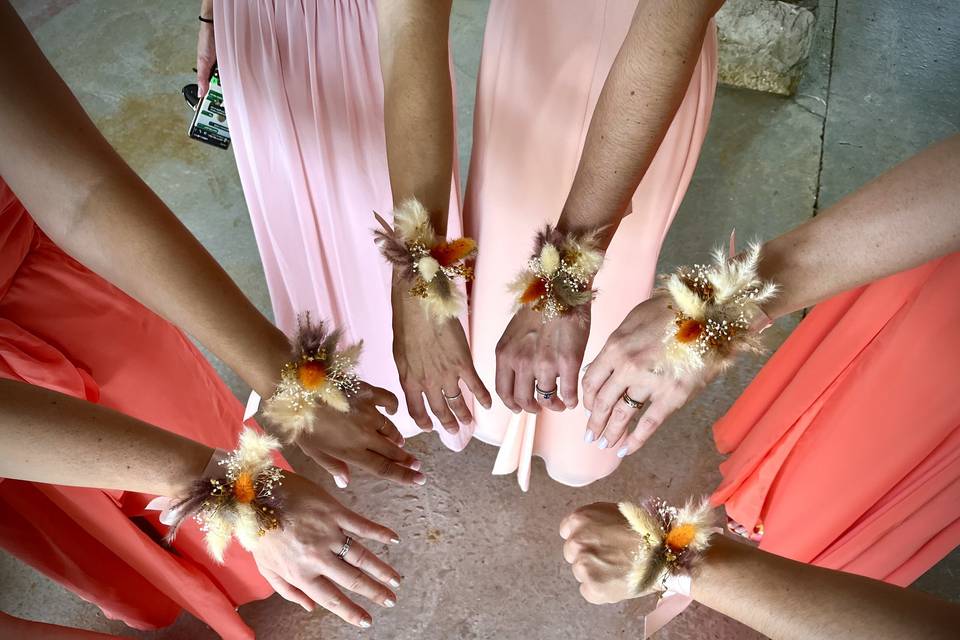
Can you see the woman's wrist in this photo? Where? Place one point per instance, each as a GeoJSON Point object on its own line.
{"type": "Point", "coordinates": [724, 565]}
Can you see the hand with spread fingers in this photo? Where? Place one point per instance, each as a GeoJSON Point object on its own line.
{"type": "Point", "coordinates": [622, 386]}
{"type": "Point", "coordinates": [433, 360]}
{"type": "Point", "coordinates": [363, 437]}
{"type": "Point", "coordinates": [314, 557]}
{"type": "Point", "coordinates": [538, 362]}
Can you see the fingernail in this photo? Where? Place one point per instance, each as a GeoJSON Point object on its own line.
{"type": "Point", "coordinates": [340, 481]}
{"type": "Point", "coordinates": [586, 411]}
{"type": "Point", "coordinates": [588, 436]}
{"type": "Point", "coordinates": [622, 452]}
{"type": "Point", "coordinates": [394, 583]}
{"type": "Point", "coordinates": [415, 465]}
{"type": "Point", "coordinates": [365, 624]}
{"type": "Point", "coordinates": [389, 603]}
{"type": "Point", "coordinates": [602, 442]}
{"type": "Point", "coordinates": [394, 541]}
{"type": "Point", "coordinates": [420, 479]}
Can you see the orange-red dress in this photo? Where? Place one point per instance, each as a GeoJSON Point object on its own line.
{"type": "Point", "coordinates": [846, 446]}
{"type": "Point", "coordinates": [64, 328]}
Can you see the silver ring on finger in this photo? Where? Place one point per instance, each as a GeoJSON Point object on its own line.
{"type": "Point", "coordinates": [630, 402]}
{"type": "Point", "coordinates": [453, 397]}
{"type": "Point", "coordinates": [545, 393]}
{"type": "Point", "coordinates": [345, 549]}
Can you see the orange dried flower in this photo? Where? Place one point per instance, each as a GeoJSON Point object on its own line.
{"type": "Point", "coordinates": [449, 253]}
{"type": "Point", "coordinates": [680, 537]}
{"type": "Point", "coordinates": [243, 489]}
{"type": "Point", "coordinates": [689, 330]}
{"type": "Point", "coordinates": [311, 374]}
{"type": "Point", "coordinates": [534, 291]}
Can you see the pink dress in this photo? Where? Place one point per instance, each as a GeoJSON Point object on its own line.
{"type": "Point", "coordinates": [304, 100]}
{"type": "Point", "coordinates": [846, 446]}
{"type": "Point", "coordinates": [544, 63]}
{"type": "Point", "coordinates": [64, 328]}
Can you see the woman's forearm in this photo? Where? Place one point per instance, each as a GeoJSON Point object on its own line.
{"type": "Point", "coordinates": [787, 600]}
{"type": "Point", "coordinates": [640, 97]}
{"type": "Point", "coordinates": [418, 102]}
{"type": "Point", "coordinates": [57, 439]}
{"type": "Point", "coordinates": [86, 198]}
{"type": "Point", "coordinates": [902, 219]}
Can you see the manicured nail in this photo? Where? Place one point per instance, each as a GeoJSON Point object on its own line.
{"type": "Point", "coordinates": [622, 452]}
{"type": "Point", "coordinates": [602, 442]}
{"type": "Point", "coordinates": [586, 411]}
{"type": "Point", "coordinates": [394, 583]}
{"type": "Point", "coordinates": [415, 465]}
{"type": "Point", "coordinates": [394, 541]}
{"type": "Point", "coordinates": [365, 624]}
{"type": "Point", "coordinates": [589, 436]}
{"type": "Point", "coordinates": [340, 481]}
{"type": "Point", "coordinates": [420, 479]}
{"type": "Point", "coordinates": [389, 603]}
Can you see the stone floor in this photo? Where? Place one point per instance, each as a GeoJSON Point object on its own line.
{"type": "Point", "coordinates": [481, 559]}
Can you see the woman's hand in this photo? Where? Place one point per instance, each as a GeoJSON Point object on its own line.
{"type": "Point", "coordinates": [300, 560]}
{"type": "Point", "coordinates": [206, 49]}
{"type": "Point", "coordinates": [601, 547]}
{"type": "Point", "coordinates": [625, 365]}
{"type": "Point", "coordinates": [532, 353]}
{"type": "Point", "coordinates": [364, 437]}
{"type": "Point", "coordinates": [433, 359]}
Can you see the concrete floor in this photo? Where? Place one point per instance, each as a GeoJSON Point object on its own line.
{"type": "Point", "coordinates": [882, 84]}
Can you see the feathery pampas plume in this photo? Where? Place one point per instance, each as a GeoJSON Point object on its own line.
{"type": "Point", "coordinates": [320, 372]}
{"type": "Point", "coordinates": [429, 263]}
{"type": "Point", "coordinates": [716, 306]}
{"type": "Point", "coordinates": [558, 278]}
{"type": "Point", "coordinates": [242, 503]}
{"type": "Point", "coordinates": [673, 540]}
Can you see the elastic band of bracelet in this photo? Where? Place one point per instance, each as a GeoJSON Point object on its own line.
{"type": "Point", "coordinates": [239, 499]}
{"type": "Point", "coordinates": [673, 542]}
{"type": "Point", "coordinates": [427, 262]}
{"type": "Point", "coordinates": [558, 278]}
{"type": "Point", "coordinates": [319, 373]}
{"type": "Point", "coordinates": [718, 313]}
{"type": "Point", "coordinates": [207, 20]}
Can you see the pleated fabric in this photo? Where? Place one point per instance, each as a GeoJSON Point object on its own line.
{"type": "Point", "coordinates": [846, 446]}
{"type": "Point", "coordinates": [64, 328]}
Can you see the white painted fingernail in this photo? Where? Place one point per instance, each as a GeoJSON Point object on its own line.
{"type": "Point", "coordinates": [389, 603]}
{"type": "Point", "coordinates": [394, 583]}
{"type": "Point", "coordinates": [622, 453]}
{"type": "Point", "coordinates": [394, 541]}
{"type": "Point", "coordinates": [415, 465]}
{"type": "Point", "coordinates": [420, 479]}
{"type": "Point", "coordinates": [589, 436]}
{"type": "Point", "coordinates": [340, 481]}
{"type": "Point", "coordinates": [365, 624]}
{"type": "Point", "coordinates": [602, 442]}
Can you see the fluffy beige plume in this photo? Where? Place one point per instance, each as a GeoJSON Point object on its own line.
{"type": "Point", "coordinates": [687, 301]}
{"type": "Point", "coordinates": [291, 414]}
{"type": "Point", "coordinates": [549, 259]}
{"type": "Point", "coordinates": [700, 515]}
{"type": "Point", "coordinates": [411, 220]}
{"type": "Point", "coordinates": [255, 449]}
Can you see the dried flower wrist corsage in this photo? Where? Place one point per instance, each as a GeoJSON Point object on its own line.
{"type": "Point", "coordinates": [673, 543]}
{"type": "Point", "coordinates": [718, 313]}
{"type": "Point", "coordinates": [241, 501]}
{"type": "Point", "coordinates": [320, 373]}
{"type": "Point", "coordinates": [427, 262]}
{"type": "Point", "coordinates": [558, 278]}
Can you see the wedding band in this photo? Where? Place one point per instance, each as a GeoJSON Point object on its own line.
{"type": "Point", "coordinates": [345, 549]}
{"type": "Point", "coordinates": [546, 395]}
{"type": "Point", "coordinates": [633, 404]}
{"type": "Point", "coordinates": [444, 394]}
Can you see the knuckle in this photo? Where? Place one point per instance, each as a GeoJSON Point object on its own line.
{"type": "Point", "coordinates": [356, 581]}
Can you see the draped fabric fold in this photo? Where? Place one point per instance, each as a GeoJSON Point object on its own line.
{"type": "Point", "coordinates": [64, 328]}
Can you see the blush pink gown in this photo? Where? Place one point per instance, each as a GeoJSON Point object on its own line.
{"type": "Point", "coordinates": [846, 446]}
{"type": "Point", "coordinates": [304, 100]}
{"type": "Point", "coordinates": [544, 63]}
{"type": "Point", "coordinates": [64, 328]}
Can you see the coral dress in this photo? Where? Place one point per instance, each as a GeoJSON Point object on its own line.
{"type": "Point", "coordinates": [64, 328]}
{"type": "Point", "coordinates": [544, 63]}
{"type": "Point", "coordinates": [304, 99]}
{"type": "Point", "coordinates": [846, 446]}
